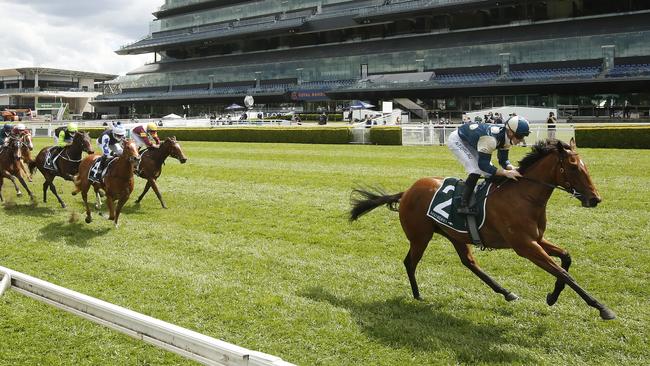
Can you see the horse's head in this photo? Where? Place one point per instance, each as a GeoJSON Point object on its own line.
{"type": "Point", "coordinates": [175, 150]}
{"type": "Point", "coordinates": [14, 147]}
{"type": "Point", "coordinates": [26, 141]}
{"type": "Point", "coordinates": [131, 151]}
{"type": "Point", "coordinates": [574, 176]}
{"type": "Point", "coordinates": [82, 139]}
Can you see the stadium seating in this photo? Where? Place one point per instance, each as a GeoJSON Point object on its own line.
{"type": "Point", "coordinates": [627, 70]}
{"type": "Point", "coordinates": [554, 73]}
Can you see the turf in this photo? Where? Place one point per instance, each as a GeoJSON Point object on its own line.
{"type": "Point", "coordinates": [256, 250]}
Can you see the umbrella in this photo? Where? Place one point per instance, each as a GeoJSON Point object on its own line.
{"type": "Point", "coordinates": [361, 105]}
{"type": "Point", "coordinates": [234, 106]}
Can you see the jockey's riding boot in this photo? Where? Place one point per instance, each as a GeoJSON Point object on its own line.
{"type": "Point", "coordinates": [463, 207]}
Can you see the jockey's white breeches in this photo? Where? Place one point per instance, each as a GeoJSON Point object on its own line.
{"type": "Point", "coordinates": [467, 155]}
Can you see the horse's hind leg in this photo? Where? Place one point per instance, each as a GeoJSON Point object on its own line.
{"type": "Point", "coordinates": [467, 258]}
{"type": "Point", "coordinates": [564, 256]}
{"type": "Point", "coordinates": [411, 262]}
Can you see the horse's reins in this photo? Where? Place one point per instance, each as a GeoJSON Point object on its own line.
{"type": "Point", "coordinates": [570, 189]}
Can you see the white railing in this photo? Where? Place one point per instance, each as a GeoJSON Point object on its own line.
{"type": "Point", "coordinates": [184, 342]}
{"type": "Point", "coordinates": [433, 134]}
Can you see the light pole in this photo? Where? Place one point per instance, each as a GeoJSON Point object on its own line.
{"type": "Point", "coordinates": [211, 76]}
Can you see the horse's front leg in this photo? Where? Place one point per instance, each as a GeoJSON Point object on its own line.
{"type": "Point", "coordinates": [531, 250]}
{"type": "Point", "coordinates": [154, 186]}
{"type": "Point", "coordinates": [467, 258]}
{"type": "Point", "coordinates": [146, 189]}
{"type": "Point", "coordinates": [24, 169]}
{"type": "Point", "coordinates": [6, 174]}
{"type": "Point", "coordinates": [120, 204]}
{"type": "Point", "coordinates": [565, 258]}
{"type": "Point", "coordinates": [24, 184]}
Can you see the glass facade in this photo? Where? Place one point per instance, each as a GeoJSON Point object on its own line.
{"type": "Point", "coordinates": [331, 67]}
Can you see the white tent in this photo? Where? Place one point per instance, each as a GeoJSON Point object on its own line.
{"type": "Point", "coordinates": [172, 116]}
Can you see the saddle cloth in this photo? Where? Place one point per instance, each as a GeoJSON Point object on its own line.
{"type": "Point", "coordinates": [442, 208]}
{"type": "Point", "coordinates": [94, 174]}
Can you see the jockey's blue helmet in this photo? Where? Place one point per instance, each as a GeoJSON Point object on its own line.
{"type": "Point", "coordinates": [519, 125]}
{"type": "Point", "coordinates": [7, 127]}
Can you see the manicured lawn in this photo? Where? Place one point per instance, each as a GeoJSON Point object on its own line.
{"type": "Point", "coordinates": [256, 250]}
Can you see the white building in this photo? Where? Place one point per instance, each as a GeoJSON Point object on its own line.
{"type": "Point", "coordinates": [50, 92]}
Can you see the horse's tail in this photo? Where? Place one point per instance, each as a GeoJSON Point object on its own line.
{"type": "Point", "coordinates": [32, 166]}
{"type": "Point", "coordinates": [364, 201]}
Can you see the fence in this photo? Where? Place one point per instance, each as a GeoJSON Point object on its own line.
{"type": "Point", "coordinates": [184, 342]}
{"type": "Point", "coordinates": [431, 134]}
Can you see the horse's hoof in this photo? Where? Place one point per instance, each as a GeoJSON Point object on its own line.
{"type": "Point", "coordinates": [510, 296]}
{"type": "Point", "coordinates": [63, 205]}
{"type": "Point", "coordinates": [551, 299]}
{"type": "Point", "coordinates": [607, 314]}
{"type": "Point", "coordinates": [19, 194]}
{"type": "Point", "coordinates": [88, 219]}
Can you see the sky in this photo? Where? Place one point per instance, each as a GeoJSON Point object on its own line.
{"type": "Point", "coordinates": [79, 35]}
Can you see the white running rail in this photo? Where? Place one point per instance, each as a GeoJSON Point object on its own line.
{"type": "Point", "coordinates": [187, 343]}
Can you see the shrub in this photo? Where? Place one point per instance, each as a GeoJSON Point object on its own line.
{"type": "Point", "coordinates": [302, 135]}
{"type": "Point", "coordinates": [386, 135]}
{"type": "Point", "coordinates": [614, 137]}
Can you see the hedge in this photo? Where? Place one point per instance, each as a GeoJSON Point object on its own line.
{"type": "Point", "coordinates": [614, 137]}
{"type": "Point", "coordinates": [302, 135]}
{"type": "Point", "coordinates": [386, 135]}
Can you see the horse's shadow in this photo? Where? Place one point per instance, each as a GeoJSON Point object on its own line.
{"type": "Point", "coordinates": [29, 209]}
{"type": "Point", "coordinates": [76, 234]}
{"type": "Point", "coordinates": [422, 326]}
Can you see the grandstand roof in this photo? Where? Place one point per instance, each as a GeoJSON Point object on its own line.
{"type": "Point", "coordinates": [58, 72]}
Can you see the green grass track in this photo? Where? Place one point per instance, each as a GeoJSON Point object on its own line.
{"type": "Point", "coordinates": [256, 250]}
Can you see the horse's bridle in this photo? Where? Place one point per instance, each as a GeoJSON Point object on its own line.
{"type": "Point", "coordinates": [568, 189]}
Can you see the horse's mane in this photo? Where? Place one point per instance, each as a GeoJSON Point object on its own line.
{"type": "Point", "coordinates": [541, 149]}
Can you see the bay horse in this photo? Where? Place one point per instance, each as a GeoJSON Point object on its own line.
{"type": "Point", "coordinates": [118, 182]}
{"type": "Point", "coordinates": [67, 165]}
{"type": "Point", "coordinates": [11, 165]}
{"type": "Point", "coordinates": [151, 162]}
{"type": "Point", "coordinates": [515, 217]}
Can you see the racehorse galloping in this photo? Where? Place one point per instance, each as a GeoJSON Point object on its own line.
{"type": "Point", "coordinates": [118, 182]}
{"type": "Point", "coordinates": [26, 147]}
{"type": "Point", "coordinates": [67, 165]}
{"type": "Point", "coordinates": [515, 217]}
{"type": "Point", "coordinates": [151, 163]}
{"type": "Point", "coordinates": [11, 166]}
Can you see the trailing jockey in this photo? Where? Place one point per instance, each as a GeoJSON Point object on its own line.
{"type": "Point", "coordinates": [5, 133]}
{"type": "Point", "coordinates": [473, 145]}
{"type": "Point", "coordinates": [63, 137]}
{"type": "Point", "coordinates": [148, 137]}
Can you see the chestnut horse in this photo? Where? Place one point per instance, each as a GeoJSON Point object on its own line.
{"type": "Point", "coordinates": [515, 217]}
{"type": "Point", "coordinates": [118, 182]}
{"type": "Point", "coordinates": [151, 162]}
{"type": "Point", "coordinates": [11, 165]}
{"type": "Point", "coordinates": [67, 165]}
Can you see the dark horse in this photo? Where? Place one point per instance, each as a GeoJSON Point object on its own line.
{"type": "Point", "coordinates": [67, 165]}
{"type": "Point", "coordinates": [11, 164]}
{"type": "Point", "coordinates": [118, 182]}
{"type": "Point", "coordinates": [151, 162]}
{"type": "Point", "coordinates": [515, 217]}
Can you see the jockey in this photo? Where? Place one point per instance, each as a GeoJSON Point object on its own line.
{"type": "Point", "coordinates": [146, 138]}
{"type": "Point", "coordinates": [4, 134]}
{"type": "Point", "coordinates": [473, 145]}
{"type": "Point", "coordinates": [110, 142]}
{"type": "Point", "coordinates": [65, 135]}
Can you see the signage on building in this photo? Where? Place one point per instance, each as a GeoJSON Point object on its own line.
{"type": "Point", "coordinates": [309, 95]}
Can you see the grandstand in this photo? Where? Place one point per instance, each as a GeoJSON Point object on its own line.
{"type": "Point", "coordinates": [448, 56]}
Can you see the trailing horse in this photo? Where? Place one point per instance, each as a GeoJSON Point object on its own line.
{"type": "Point", "coordinates": [117, 183]}
{"type": "Point", "coordinates": [515, 217]}
{"type": "Point", "coordinates": [11, 165]}
{"type": "Point", "coordinates": [151, 162]}
{"type": "Point", "coordinates": [66, 165]}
